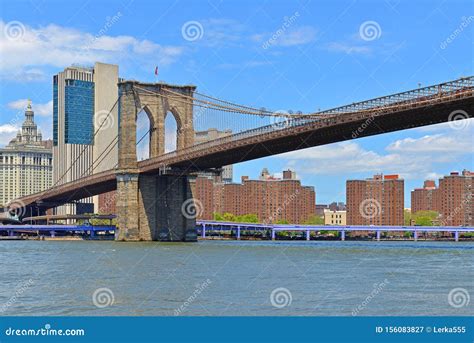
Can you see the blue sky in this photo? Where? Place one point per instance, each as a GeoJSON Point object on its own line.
{"type": "Point", "coordinates": [320, 58]}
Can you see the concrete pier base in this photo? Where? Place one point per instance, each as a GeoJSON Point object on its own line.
{"type": "Point", "coordinates": [155, 208]}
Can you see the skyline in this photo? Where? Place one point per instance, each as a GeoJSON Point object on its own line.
{"type": "Point", "coordinates": [311, 57]}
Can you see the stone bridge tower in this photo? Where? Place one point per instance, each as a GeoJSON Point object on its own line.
{"type": "Point", "coordinates": [149, 207]}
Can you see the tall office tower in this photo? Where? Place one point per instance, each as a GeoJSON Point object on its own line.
{"type": "Point", "coordinates": [211, 134]}
{"type": "Point", "coordinates": [25, 163]}
{"type": "Point", "coordinates": [457, 203]}
{"type": "Point", "coordinates": [426, 198]}
{"type": "Point", "coordinates": [82, 100]}
{"type": "Point", "coordinates": [375, 201]}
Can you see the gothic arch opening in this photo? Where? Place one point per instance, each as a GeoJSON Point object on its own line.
{"type": "Point", "coordinates": [172, 132]}
{"type": "Point", "coordinates": [143, 134]}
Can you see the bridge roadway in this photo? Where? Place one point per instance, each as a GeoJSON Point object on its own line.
{"type": "Point", "coordinates": [348, 122]}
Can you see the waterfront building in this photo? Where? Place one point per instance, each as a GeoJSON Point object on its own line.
{"type": "Point", "coordinates": [270, 198]}
{"type": "Point", "coordinates": [456, 199]}
{"type": "Point", "coordinates": [335, 217]}
{"type": "Point", "coordinates": [82, 100]}
{"type": "Point", "coordinates": [209, 135]}
{"type": "Point", "coordinates": [375, 201]}
{"type": "Point", "coordinates": [320, 208]}
{"type": "Point", "coordinates": [426, 198]}
{"type": "Point", "coordinates": [334, 206]}
{"type": "Point", "coordinates": [25, 163]}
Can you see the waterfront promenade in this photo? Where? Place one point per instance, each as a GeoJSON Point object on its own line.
{"type": "Point", "coordinates": [231, 230]}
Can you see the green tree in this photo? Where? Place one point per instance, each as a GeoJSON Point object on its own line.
{"type": "Point", "coordinates": [281, 221]}
{"type": "Point", "coordinates": [315, 220]}
{"type": "Point", "coordinates": [407, 217]}
{"type": "Point", "coordinates": [247, 218]}
{"type": "Point", "coordinates": [425, 218]}
{"type": "Point", "coordinates": [218, 217]}
{"type": "Point", "coordinates": [229, 217]}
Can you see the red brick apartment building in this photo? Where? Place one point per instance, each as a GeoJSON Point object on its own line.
{"type": "Point", "coordinates": [453, 199]}
{"type": "Point", "coordinates": [270, 198]}
{"type": "Point", "coordinates": [457, 203]}
{"type": "Point", "coordinates": [426, 198]}
{"type": "Point", "coordinates": [375, 201]}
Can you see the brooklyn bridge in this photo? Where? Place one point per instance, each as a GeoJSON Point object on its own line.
{"type": "Point", "coordinates": [151, 193]}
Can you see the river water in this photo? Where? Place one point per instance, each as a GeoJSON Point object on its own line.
{"type": "Point", "coordinates": [236, 278]}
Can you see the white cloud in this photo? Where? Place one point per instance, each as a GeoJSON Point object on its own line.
{"type": "Point", "coordinates": [431, 144]}
{"type": "Point", "coordinates": [433, 176]}
{"type": "Point", "coordinates": [7, 132]}
{"type": "Point", "coordinates": [348, 48]}
{"type": "Point", "coordinates": [39, 109]}
{"type": "Point", "coordinates": [59, 46]}
{"type": "Point", "coordinates": [298, 36]}
{"type": "Point", "coordinates": [247, 64]}
{"type": "Point", "coordinates": [8, 128]}
{"type": "Point", "coordinates": [221, 32]}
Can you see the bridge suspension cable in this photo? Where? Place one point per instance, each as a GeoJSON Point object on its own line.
{"type": "Point", "coordinates": [86, 147]}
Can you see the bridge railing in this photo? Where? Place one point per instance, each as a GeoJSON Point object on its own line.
{"type": "Point", "coordinates": [411, 95]}
{"type": "Point", "coordinates": [382, 103]}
